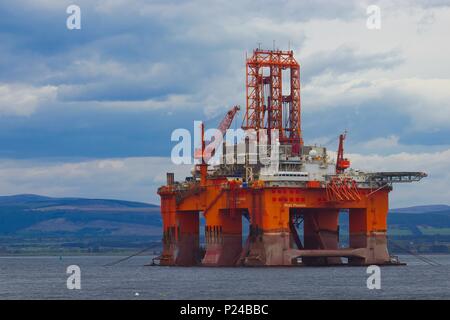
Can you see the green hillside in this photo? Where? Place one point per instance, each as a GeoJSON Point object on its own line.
{"type": "Point", "coordinates": [32, 224]}
{"type": "Point", "coordinates": [37, 224]}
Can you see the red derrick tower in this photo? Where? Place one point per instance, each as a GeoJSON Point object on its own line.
{"type": "Point", "coordinates": [267, 107]}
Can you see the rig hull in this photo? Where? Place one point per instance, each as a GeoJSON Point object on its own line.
{"type": "Point", "coordinates": [278, 184]}
{"type": "Point", "coordinates": [272, 240]}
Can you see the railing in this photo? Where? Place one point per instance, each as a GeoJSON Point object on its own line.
{"type": "Point", "coordinates": [395, 177]}
{"type": "Point", "coordinates": [342, 189]}
{"type": "Point", "coordinates": [183, 193]}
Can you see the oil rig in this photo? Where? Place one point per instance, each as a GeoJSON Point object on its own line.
{"type": "Point", "coordinates": [292, 202]}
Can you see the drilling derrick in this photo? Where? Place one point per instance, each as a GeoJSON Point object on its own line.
{"type": "Point", "coordinates": [267, 107]}
{"type": "Point", "coordinates": [292, 203]}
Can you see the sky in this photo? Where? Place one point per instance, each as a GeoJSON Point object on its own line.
{"type": "Point", "coordinates": [90, 112]}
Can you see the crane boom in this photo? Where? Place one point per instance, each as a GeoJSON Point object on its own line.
{"type": "Point", "coordinates": [341, 162]}
{"type": "Point", "coordinates": [228, 120]}
{"type": "Point", "coordinates": [224, 125]}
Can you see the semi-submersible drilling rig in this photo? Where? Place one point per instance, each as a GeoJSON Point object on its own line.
{"type": "Point", "coordinates": [306, 192]}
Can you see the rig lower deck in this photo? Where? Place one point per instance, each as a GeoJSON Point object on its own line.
{"type": "Point", "coordinates": [273, 213]}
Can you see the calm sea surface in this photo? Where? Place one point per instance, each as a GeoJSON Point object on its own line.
{"type": "Point", "coordinates": [45, 278]}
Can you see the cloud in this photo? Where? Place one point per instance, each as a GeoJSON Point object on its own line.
{"type": "Point", "coordinates": [382, 143]}
{"type": "Point", "coordinates": [425, 102]}
{"type": "Point", "coordinates": [433, 189]}
{"type": "Point", "coordinates": [138, 69]}
{"type": "Point", "coordinates": [423, 3]}
{"type": "Point", "coordinates": [118, 178]}
{"type": "Point", "coordinates": [22, 100]}
{"type": "Point", "coordinates": [346, 60]}
{"type": "Point", "coordinates": [139, 50]}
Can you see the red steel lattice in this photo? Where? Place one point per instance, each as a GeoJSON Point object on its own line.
{"type": "Point", "coordinates": [266, 105]}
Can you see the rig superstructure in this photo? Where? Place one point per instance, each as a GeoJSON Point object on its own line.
{"type": "Point", "coordinates": [305, 190]}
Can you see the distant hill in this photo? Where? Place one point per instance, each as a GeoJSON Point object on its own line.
{"type": "Point", "coordinates": [38, 215]}
{"type": "Point", "coordinates": [423, 209]}
{"type": "Point", "coordinates": [36, 201]}
{"type": "Point", "coordinates": [33, 223]}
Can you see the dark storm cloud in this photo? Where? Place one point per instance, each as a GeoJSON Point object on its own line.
{"type": "Point", "coordinates": [139, 51]}
{"type": "Point", "coordinates": [91, 132]}
{"type": "Point", "coordinates": [194, 41]}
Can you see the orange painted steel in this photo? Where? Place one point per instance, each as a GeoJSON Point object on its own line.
{"type": "Point", "coordinates": [342, 189]}
{"type": "Point", "coordinates": [275, 210]}
{"type": "Point", "coordinates": [269, 210]}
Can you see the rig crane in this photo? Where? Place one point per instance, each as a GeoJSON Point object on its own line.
{"type": "Point", "coordinates": [208, 152]}
{"type": "Point", "coordinates": [341, 162]}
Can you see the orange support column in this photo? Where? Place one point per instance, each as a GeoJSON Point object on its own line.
{"type": "Point", "coordinates": [223, 233]}
{"type": "Point", "coordinates": [168, 212]}
{"type": "Point", "coordinates": [269, 237]}
{"type": "Point", "coordinates": [368, 229]}
{"type": "Point", "coordinates": [188, 245]}
{"type": "Point", "coordinates": [321, 232]}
